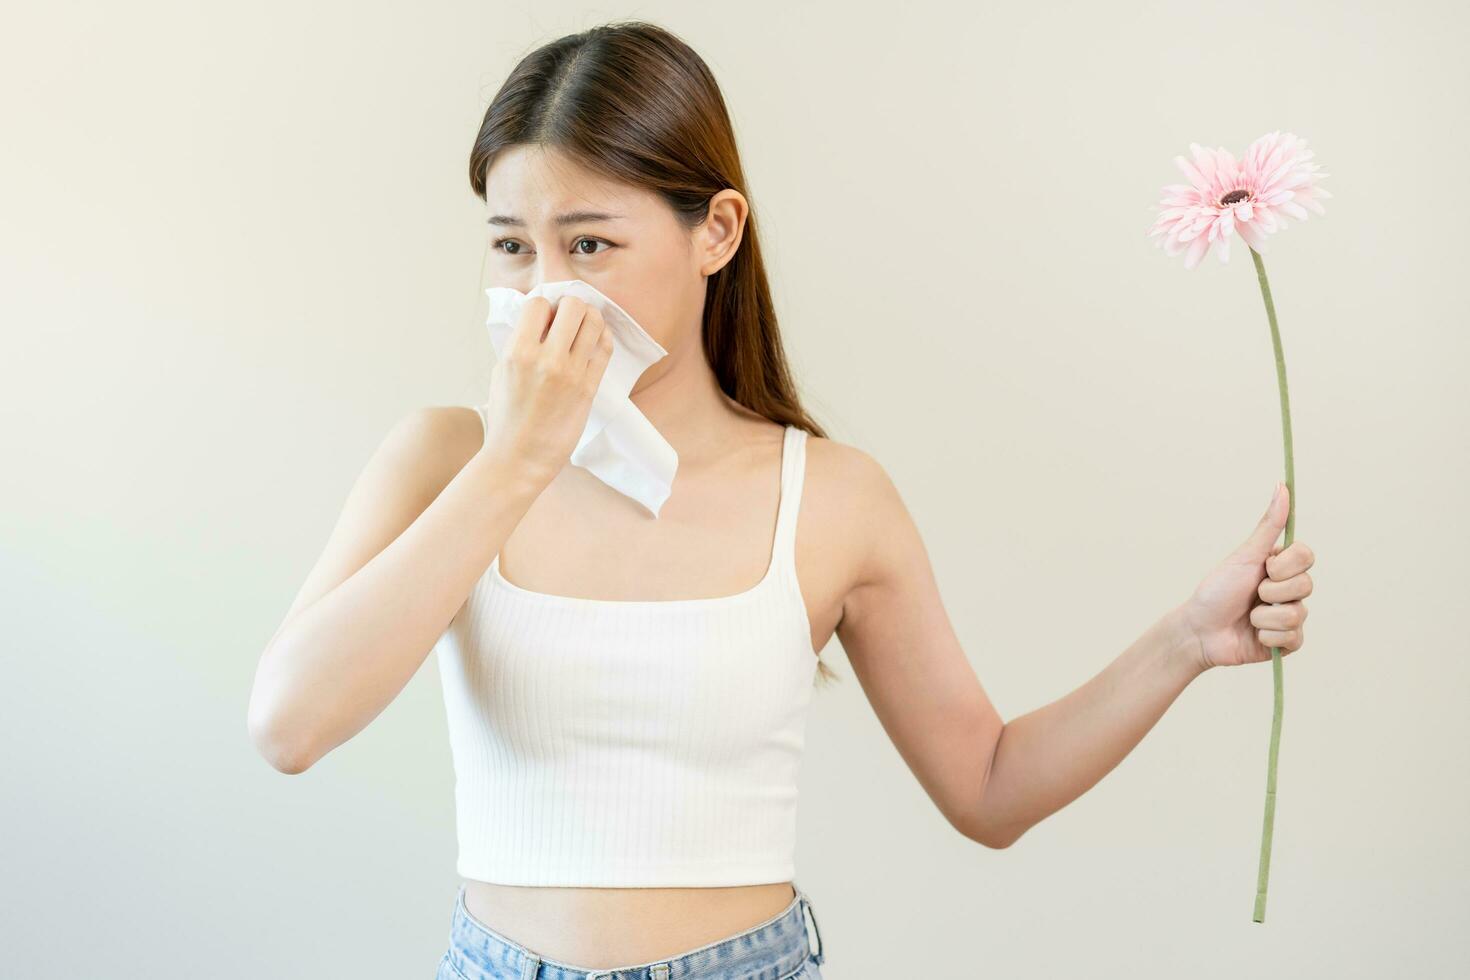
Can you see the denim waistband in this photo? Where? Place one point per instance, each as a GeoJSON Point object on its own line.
{"type": "Point", "coordinates": [480, 953]}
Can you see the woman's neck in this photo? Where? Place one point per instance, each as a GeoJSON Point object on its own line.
{"type": "Point", "coordinates": [682, 398]}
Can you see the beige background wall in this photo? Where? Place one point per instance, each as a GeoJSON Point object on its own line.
{"type": "Point", "coordinates": [238, 243]}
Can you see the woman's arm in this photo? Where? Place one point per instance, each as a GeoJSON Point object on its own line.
{"type": "Point", "coordinates": [427, 515]}
{"type": "Point", "coordinates": [420, 526]}
{"type": "Point", "coordinates": [1249, 602]}
{"type": "Point", "coordinates": [907, 658]}
{"type": "Point", "coordinates": [1047, 758]}
{"type": "Point", "coordinates": [991, 779]}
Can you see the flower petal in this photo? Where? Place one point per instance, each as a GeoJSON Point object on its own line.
{"type": "Point", "coordinates": [1195, 177]}
{"type": "Point", "coordinates": [1194, 229]}
{"type": "Point", "coordinates": [1252, 236]}
{"type": "Point", "coordinates": [1196, 252]}
{"type": "Point", "coordinates": [1204, 160]}
{"type": "Point", "coordinates": [1228, 168]}
{"type": "Point", "coordinates": [1294, 209]}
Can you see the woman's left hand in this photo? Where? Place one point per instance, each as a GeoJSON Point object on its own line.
{"type": "Point", "coordinates": [1252, 601]}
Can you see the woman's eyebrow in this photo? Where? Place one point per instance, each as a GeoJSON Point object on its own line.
{"type": "Point", "coordinates": [569, 218]}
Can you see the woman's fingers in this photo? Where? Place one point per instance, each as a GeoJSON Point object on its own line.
{"type": "Point", "coordinates": [534, 315]}
{"type": "Point", "coordinates": [571, 311]}
{"type": "Point", "coordinates": [1287, 640]}
{"type": "Point", "coordinates": [1290, 561]}
{"type": "Point", "coordinates": [597, 360]}
{"type": "Point", "coordinates": [1296, 587]}
{"type": "Point", "coordinates": [1285, 616]}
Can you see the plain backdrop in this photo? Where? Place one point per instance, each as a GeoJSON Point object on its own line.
{"type": "Point", "coordinates": [239, 243]}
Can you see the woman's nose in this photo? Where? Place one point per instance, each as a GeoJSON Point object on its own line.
{"type": "Point", "coordinates": [554, 269]}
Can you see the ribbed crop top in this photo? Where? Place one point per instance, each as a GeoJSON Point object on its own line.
{"type": "Point", "coordinates": [632, 743]}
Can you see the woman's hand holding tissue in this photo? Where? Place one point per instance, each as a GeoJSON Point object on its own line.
{"type": "Point", "coordinates": [542, 386]}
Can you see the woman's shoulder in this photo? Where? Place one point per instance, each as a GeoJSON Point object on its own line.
{"type": "Point", "coordinates": [430, 444]}
{"type": "Point", "coordinates": [849, 475]}
{"type": "Point", "coordinates": [843, 486]}
{"type": "Point", "coordinates": [848, 500]}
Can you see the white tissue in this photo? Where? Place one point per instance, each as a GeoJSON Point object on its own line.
{"type": "Point", "coordinates": [619, 445]}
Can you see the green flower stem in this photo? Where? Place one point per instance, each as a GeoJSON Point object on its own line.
{"type": "Point", "coordinates": [1264, 870]}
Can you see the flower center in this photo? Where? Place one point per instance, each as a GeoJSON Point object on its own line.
{"type": "Point", "coordinates": [1234, 197]}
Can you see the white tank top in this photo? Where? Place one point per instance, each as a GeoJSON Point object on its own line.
{"type": "Point", "coordinates": [637, 743]}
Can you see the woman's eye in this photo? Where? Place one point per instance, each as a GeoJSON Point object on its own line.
{"type": "Point", "coordinates": [500, 243]}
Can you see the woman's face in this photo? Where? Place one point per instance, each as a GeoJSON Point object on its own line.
{"type": "Point", "coordinates": [552, 220]}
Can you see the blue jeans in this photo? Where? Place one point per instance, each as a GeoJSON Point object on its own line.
{"type": "Point", "coordinates": [776, 949]}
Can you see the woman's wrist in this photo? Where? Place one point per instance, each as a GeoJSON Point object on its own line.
{"type": "Point", "coordinates": [511, 474]}
{"type": "Point", "coordinates": [1189, 651]}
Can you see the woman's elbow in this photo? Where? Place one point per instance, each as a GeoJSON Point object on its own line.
{"type": "Point", "coordinates": [276, 743]}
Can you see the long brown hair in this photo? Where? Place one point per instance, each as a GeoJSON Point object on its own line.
{"type": "Point", "coordinates": [631, 100]}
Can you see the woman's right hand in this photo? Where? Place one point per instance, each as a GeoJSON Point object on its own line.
{"type": "Point", "coordinates": [541, 388]}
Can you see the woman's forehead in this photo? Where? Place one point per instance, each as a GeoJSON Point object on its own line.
{"type": "Point", "coordinates": [537, 184]}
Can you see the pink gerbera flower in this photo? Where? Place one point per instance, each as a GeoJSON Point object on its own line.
{"type": "Point", "coordinates": [1223, 197]}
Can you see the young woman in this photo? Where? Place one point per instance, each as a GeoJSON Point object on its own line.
{"type": "Point", "coordinates": [627, 695]}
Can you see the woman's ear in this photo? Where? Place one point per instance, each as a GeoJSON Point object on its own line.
{"type": "Point", "coordinates": [718, 237]}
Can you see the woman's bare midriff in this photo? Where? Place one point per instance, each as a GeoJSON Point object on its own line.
{"type": "Point", "coordinates": [602, 928]}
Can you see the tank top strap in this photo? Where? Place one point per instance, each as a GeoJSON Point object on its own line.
{"type": "Point", "coordinates": [793, 473]}
{"type": "Point", "coordinates": [484, 419]}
